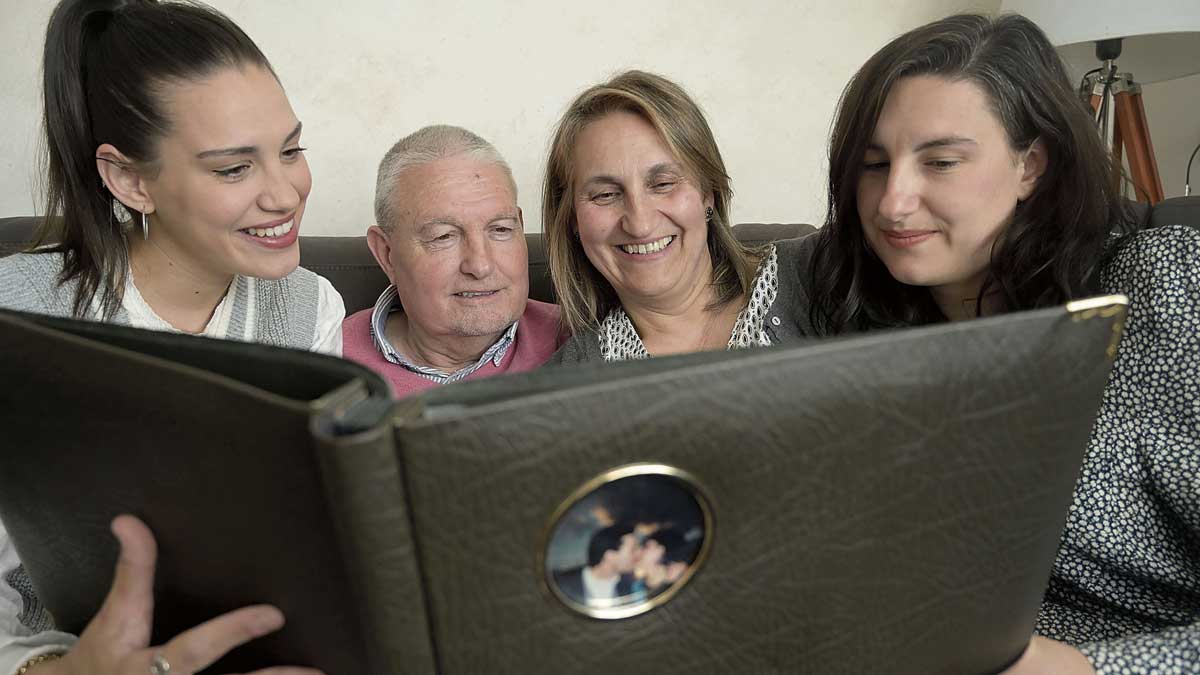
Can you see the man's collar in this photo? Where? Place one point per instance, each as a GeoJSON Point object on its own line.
{"type": "Point", "coordinates": [389, 302]}
{"type": "Point", "coordinates": [596, 587]}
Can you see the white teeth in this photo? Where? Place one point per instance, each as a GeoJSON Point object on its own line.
{"type": "Point", "coordinates": [652, 247]}
{"type": "Point", "coordinates": [277, 231]}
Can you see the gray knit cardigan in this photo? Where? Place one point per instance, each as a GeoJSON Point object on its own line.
{"type": "Point", "coordinates": [286, 309]}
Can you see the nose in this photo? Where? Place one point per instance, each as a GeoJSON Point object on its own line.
{"type": "Point", "coordinates": [900, 197]}
{"type": "Point", "coordinates": [280, 192]}
{"type": "Point", "coordinates": [477, 257]}
{"type": "Point", "coordinates": [638, 219]}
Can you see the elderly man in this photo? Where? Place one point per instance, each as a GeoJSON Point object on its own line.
{"type": "Point", "coordinates": [450, 237]}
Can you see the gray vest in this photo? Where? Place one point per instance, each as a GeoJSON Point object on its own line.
{"type": "Point", "coordinates": [286, 313]}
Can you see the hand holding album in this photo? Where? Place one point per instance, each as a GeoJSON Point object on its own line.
{"type": "Point", "coordinates": [117, 640]}
{"type": "Point", "coordinates": [1044, 656]}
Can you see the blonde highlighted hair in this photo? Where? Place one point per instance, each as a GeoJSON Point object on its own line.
{"type": "Point", "coordinates": [583, 294]}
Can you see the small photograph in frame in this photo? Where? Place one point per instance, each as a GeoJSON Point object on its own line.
{"type": "Point", "coordinates": [627, 541]}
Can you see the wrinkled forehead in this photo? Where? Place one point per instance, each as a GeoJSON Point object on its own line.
{"type": "Point", "coordinates": [461, 189]}
{"type": "Point", "coordinates": [619, 141]}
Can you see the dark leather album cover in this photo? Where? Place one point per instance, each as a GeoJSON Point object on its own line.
{"type": "Point", "coordinates": [884, 503]}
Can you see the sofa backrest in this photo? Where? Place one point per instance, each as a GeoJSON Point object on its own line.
{"type": "Point", "coordinates": [349, 266]}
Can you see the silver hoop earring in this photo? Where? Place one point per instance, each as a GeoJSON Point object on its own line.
{"type": "Point", "coordinates": [145, 226]}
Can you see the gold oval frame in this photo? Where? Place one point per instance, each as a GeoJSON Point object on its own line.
{"type": "Point", "coordinates": [685, 479]}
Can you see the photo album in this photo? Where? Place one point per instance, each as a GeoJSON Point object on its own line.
{"type": "Point", "coordinates": [885, 502]}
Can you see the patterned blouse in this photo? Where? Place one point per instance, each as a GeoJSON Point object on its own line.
{"type": "Point", "coordinates": [1126, 586]}
{"type": "Point", "coordinates": [619, 340]}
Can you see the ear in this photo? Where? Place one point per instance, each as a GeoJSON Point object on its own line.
{"type": "Point", "coordinates": [122, 180]}
{"type": "Point", "coordinates": [381, 247]}
{"type": "Point", "coordinates": [709, 200]}
{"type": "Point", "coordinates": [1032, 165]}
{"type": "Point", "coordinates": [521, 218]}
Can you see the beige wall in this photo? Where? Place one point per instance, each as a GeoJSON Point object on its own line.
{"type": "Point", "coordinates": [361, 73]}
{"type": "Point", "coordinates": [1173, 113]}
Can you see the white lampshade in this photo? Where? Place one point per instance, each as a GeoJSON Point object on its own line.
{"type": "Point", "coordinates": [1161, 39]}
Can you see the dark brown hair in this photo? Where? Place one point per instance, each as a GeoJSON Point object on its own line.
{"type": "Point", "coordinates": [1053, 246]}
{"type": "Point", "coordinates": [105, 65]}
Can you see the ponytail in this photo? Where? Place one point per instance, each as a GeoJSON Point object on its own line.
{"type": "Point", "coordinates": [104, 66]}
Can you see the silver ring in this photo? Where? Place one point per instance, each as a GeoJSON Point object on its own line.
{"type": "Point", "coordinates": [160, 665]}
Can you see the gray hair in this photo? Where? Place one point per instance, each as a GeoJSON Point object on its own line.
{"type": "Point", "coordinates": [426, 145]}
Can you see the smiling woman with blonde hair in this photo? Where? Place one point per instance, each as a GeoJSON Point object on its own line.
{"type": "Point", "coordinates": [636, 215]}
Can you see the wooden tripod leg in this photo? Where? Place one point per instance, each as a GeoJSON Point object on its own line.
{"type": "Point", "coordinates": [1135, 133]}
{"type": "Point", "coordinates": [1118, 145]}
{"type": "Point", "coordinates": [1096, 101]}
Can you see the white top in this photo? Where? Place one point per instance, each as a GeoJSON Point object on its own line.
{"type": "Point", "coordinates": [601, 589]}
{"type": "Point", "coordinates": [330, 313]}
{"type": "Point", "coordinates": [18, 644]}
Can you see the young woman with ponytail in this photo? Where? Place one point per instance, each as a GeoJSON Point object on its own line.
{"type": "Point", "coordinates": [176, 182]}
{"type": "Point", "coordinates": [176, 185]}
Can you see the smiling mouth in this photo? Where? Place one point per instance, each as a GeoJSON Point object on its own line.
{"type": "Point", "coordinates": [906, 234]}
{"type": "Point", "coordinates": [906, 239]}
{"type": "Point", "coordinates": [266, 232]}
{"type": "Point", "coordinates": [652, 247]}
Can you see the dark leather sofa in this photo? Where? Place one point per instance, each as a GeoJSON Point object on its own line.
{"type": "Point", "coordinates": [348, 264]}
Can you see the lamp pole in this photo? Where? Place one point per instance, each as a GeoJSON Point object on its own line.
{"type": "Point", "coordinates": [1121, 121]}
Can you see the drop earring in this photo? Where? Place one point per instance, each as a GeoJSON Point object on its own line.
{"type": "Point", "coordinates": [708, 214]}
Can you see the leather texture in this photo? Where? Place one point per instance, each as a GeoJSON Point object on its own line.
{"type": "Point", "coordinates": [886, 504]}
{"type": "Point", "coordinates": [210, 443]}
{"type": "Point", "coordinates": [365, 494]}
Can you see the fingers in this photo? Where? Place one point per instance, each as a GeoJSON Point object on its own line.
{"type": "Point", "coordinates": [199, 647]}
{"type": "Point", "coordinates": [127, 611]}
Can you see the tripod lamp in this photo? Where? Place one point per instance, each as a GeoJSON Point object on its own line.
{"type": "Point", "coordinates": [1156, 41]}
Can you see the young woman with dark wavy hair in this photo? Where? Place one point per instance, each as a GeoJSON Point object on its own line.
{"type": "Point", "coordinates": [967, 179]}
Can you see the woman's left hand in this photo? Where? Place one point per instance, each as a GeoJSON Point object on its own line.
{"type": "Point", "coordinates": [1044, 656]}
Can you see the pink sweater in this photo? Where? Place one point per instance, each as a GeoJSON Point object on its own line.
{"type": "Point", "coordinates": [538, 336]}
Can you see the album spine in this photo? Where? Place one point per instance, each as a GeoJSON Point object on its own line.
{"type": "Point", "coordinates": [365, 491]}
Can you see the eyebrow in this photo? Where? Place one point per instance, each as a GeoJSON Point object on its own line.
{"type": "Point", "coordinates": [664, 167]}
{"type": "Point", "coordinates": [453, 222]}
{"type": "Point", "coordinates": [430, 224]}
{"type": "Point", "coordinates": [247, 149]}
{"type": "Point", "coordinates": [934, 143]}
{"type": "Point", "coordinates": [661, 167]}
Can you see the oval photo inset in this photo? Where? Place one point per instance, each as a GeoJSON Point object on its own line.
{"type": "Point", "coordinates": [627, 541]}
